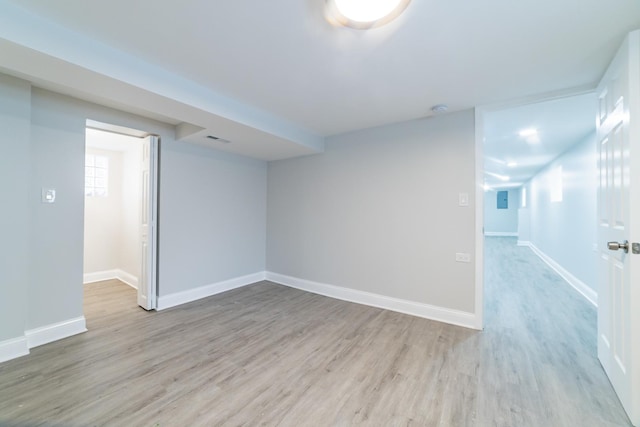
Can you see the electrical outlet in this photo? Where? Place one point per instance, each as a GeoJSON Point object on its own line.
{"type": "Point", "coordinates": [462, 257]}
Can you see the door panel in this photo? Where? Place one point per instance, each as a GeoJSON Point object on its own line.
{"type": "Point", "coordinates": [147, 297]}
{"type": "Point", "coordinates": [618, 121]}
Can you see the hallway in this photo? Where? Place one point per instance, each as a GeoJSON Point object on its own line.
{"type": "Point", "coordinates": [547, 334]}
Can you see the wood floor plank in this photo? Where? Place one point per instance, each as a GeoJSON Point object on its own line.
{"type": "Point", "coordinates": [274, 356]}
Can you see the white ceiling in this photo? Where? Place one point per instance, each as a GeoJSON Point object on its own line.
{"type": "Point", "coordinates": [276, 78]}
{"type": "Point", "coordinates": [109, 141]}
{"type": "Point", "coordinates": [560, 124]}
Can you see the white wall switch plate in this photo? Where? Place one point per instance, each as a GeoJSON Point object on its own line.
{"type": "Point", "coordinates": [48, 195]}
{"type": "Point", "coordinates": [462, 257]}
{"type": "Point", "coordinates": [463, 199]}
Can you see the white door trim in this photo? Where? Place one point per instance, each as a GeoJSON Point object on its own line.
{"type": "Point", "coordinates": [148, 289]}
{"type": "Point", "coordinates": [479, 223]}
{"type": "Point", "coordinates": [154, 191]}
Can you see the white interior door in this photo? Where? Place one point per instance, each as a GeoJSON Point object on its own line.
{"type": "Point", "coordinates": [618, 128]}
{"type": "Point", "coordinates": [147, 297]}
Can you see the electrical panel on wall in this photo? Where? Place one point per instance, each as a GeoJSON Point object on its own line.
{"type": "Point", "coordinates": [502, 199]}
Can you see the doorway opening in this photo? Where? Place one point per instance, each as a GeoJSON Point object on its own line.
{"type": "Point", "coordinates": [539, 170]}
{"type": "Point", "coordinates": [121, 193]}
{"type": "Point", "coordinates": [540, 272]}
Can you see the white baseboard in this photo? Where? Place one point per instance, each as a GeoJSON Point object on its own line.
{"type": "Point", "coordinates": [440, 314]}
{"type": "Point", "coordinates": [454, 317]}
{"type": "Point", "coordinates": [501, 233]}
{"type": "Point", "coordinates": [127, 278]}
{"type": "Point", "coordinates": [98, 276]}
{"type": "Point", "coordinates": [524, 243]}
{"type": "Point", "coordinates": [121, 275]}
{"type": "Point", "coordinates": [577, 284]}
{"type": "Point", "coordinates": [183, 297]}
{"type": "Point", "coordinates": [13, 348]}
{"type": "Point", "coordinates": [56, 331]}
{"type": "Point", "coordinates": [18, 347]}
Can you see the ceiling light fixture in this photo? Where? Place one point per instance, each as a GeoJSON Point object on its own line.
{"type": "Point", "coordinates": [364, 14]}
{"type": "Point", "coordinates": [512, 164]}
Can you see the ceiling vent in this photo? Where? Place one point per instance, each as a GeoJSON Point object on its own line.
{"type": "Point", "coordinates": [220, 140]}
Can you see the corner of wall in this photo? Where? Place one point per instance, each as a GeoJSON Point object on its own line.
{"type": "Point", "coordinates": [183, 297]}
{"type": "Point", "coordinates": [18, 347]}
{"type": "Point", "coordinates": [56, 331]}
{"type": "Point", "coordinates": [13, 348]}
{"type": "Point", "coordinates": [15, 169]}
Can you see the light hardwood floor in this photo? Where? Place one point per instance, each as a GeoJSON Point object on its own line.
{"type": "Point", "coordinates": [270, 355]}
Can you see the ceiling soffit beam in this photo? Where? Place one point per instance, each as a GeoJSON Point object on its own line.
{"type": "Point", "coordinates": [38, 50]}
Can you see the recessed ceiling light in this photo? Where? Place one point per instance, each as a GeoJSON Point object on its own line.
{"type": "Point", "coordinates": [525, 133]}
{"type": "Point", "coordinates": [498, 176]}
{"type": "Point", "coordinates": [512, 164]}
{"type": "Point", "coordinates": [530, 135]}
{"type": "Point", "coordinates": [364, 14]}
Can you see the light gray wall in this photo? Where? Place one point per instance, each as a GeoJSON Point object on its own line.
{"type": "Point", "coordinates": [501, 220]}
{"type": "Point", "coordinates": [566, 230]}
{"type": "Point", "coordinates": [212, 217]}
{"type": "Point", "coordinates": [212, 208]}
{"type": "Point", "coordinates": [524, 225]}
{"type": "Point", "coordinates": [57, 142]}
{"type": "Point", "coordinates": [15, 129]}
{"type": "Point", "coordinates": [378, 212]}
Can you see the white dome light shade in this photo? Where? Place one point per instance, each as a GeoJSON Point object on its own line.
{"type": "Point", "coordinates": [366, 10]}
{"type": "Point", "coordinates": [363, 14]}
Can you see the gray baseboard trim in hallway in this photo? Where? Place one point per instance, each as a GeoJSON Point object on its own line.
{"type": "Point", "coordinates": [577, 284]}
{"type": "Point", "coordinates": [501, 233]}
